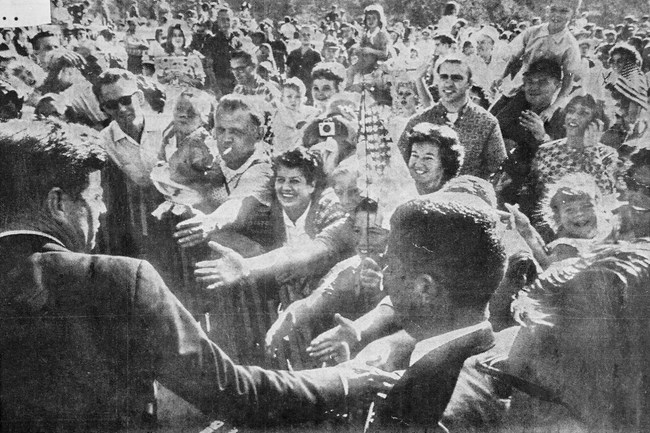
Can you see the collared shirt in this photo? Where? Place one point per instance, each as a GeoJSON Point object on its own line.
{"type": "Point", "coordinates": [253, 178]}
{"type": "Point", "coordinates": [135, 159]}
{"type": "Point", "coordinates": [479, 134]}
{"type": "Point", "coordinates": [425, 346]}
{"type": "Point", "coordinates": [296, 234]}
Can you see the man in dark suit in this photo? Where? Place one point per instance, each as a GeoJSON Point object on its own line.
{"type": "Point", "coordinates": [445, 260]}
{"type": "Point", "coordinates": [83, 336]}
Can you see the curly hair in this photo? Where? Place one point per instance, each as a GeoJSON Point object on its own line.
{"type": "Point", "coordinates": [449, 147]}
{"type": "Point", "coordinates": [309, 163]}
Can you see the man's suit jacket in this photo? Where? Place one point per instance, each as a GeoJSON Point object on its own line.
{"type": "Point", "coordinates": [420, 397]}
{"type": "Point", "coordinates": [83, 336]}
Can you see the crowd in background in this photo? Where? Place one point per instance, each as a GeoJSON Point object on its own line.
{"type": "Point", "coordinates": [257, 164]}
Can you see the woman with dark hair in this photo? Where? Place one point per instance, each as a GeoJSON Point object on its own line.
{"type": "Point", "coordinates": [579, 151]}
{"type": "Point", "coordinates": [435, 156]}
{"type": "Point", "coordinates": [326, 81]}
{"type": "Point", "coordinates": [178, 67]}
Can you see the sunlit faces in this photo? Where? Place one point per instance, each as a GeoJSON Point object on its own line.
{"type": "Point", "coordinates": [577, 119]}
{"type": "Point", "coordinates": [291, 98]}
{"type": "Point", "coordinates": [178, 39]}
{"type": "Point", "coordinates": [454, 83]}
{"type": "Point", "coordinates": [484, 46]}
{"type": "Point", "coordinates": [425, 167]}
{"type": "Point", "coordinates": [293, 191]}
{"type": "Point", "coordinates": [187, 118]}
{"type": "Point", "coordinates": [560, 14]}
{"type": "Point", "coordinates": [372, 20]}
{"type": "Point", "coordinates": [322, 90]}
{"type": "Point", "coordinates": [83, 212]}
{"type": "Point", "coordinates": [577, 218]}
{"type": "Point", "coordinates": [406, 96]}
{"type": "Point", "coordinates": [346, 189]}
{"type": "Point", "coordinates": [306, 34]}
{"type": "Point", "coordinates": [122, 101]}
{"type": "Point", "coordinates": [371, 236]}
{"type": "Point", "coordinates": [236, 135]}
{"type": "Point", "coordinates": [539, 89]}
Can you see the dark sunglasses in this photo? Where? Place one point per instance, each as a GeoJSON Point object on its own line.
{"type": "Point", "coordinates": [456, 78]}
{"type": "Point", "coordinates": [114, 104]}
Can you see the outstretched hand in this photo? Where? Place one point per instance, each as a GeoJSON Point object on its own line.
{"type": "Point", "coordinates": [195, 230]}
{"type": "Point", "coordinates": [227, 271]}
{"type": "Point", "coordinates": [336, 343]}
{"type": "Point", "coordinates": [279, 331]}
{"type": "Point", "coordinates": [365, 382]}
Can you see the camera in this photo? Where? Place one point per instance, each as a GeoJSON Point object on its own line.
{"type": "Point", "coordinates": [327, 128]}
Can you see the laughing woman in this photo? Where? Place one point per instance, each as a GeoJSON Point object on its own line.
{"type": "Point", "coordinates": [580, 151]}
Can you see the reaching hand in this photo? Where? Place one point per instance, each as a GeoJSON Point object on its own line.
{"type": "Point", "coordinates": [519, 220]}
{"type": "Point", "coordinates": [534, 124]}
{"type": "Point", "coordinates": [336, 343]}
{"type": "Point", "coordinates": [364, 382]}
{"type": "Point", "coordinates": [547, 113]}
{"type": "Point", "coordinates": [370, 276]}
{"type": "Point", "coordinates": [280, 330]}
{"type": "Point", "coordinates": [226, 271]}
{"type": "Point", "coordinates": [195, 230]}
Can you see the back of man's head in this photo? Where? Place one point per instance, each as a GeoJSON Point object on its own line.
{"type": "Point", "coordinates": [40, 155]}
{"type": "Point", "coordinates": [454, 243]}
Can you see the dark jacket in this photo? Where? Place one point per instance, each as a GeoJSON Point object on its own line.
{"type": "Point", "coordinates": [84, 336]}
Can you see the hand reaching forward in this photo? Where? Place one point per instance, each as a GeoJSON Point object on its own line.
{"type": "Point", "coordinates": [335, 344]}
{"type": "Point", "coordinates": [364, 382]}
{"type": "Point", "coordinates": [195, 230]}
{"type": "Point", "coordinates": [370, 276]}
{"type": "Point", "coordinates": [280, 330]}
{"type": "Point", "coordinates": [228, 270]}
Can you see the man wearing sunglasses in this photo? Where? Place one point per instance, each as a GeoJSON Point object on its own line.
{"type": "Point", "coordinates": [477, 129]}
{"type": "Point", "coordinates": [132, 141]}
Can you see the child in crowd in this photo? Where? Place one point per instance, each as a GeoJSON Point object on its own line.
{"type": "Point", "coordinates": [291, 116]}
{"type": "Point", "coordinates": [189, 156]}
{"type": "Point", "coordinates": [574, 209]}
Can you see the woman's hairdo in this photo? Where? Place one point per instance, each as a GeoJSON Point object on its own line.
{"type": "Point", "coordinates": [309, 163]}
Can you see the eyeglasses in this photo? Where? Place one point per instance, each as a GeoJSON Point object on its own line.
{"type": "Point", "coordinates": [456, 78]}
{"type": "Point", "coordinates": [114, 104]}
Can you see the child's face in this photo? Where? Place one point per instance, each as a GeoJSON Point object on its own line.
{"type": "Point", "coordinates": [186, 116]}
{"type": "Point", "coordinates": [371, 237]}
{"type": "Point", "coordinates": [345, 188]}
{"type": "Point", "coordinates": [560, 14]}
{"type": "Point", "coordinates": [291, 98]}
{"type": "Point", "coordinates": [578, 218]}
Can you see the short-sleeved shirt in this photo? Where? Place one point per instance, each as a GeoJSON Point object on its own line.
{"type": "Point", "coordinates": [536, 43]}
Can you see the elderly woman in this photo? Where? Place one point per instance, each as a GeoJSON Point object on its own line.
{"type": "Point", "coordinates": [435, 156]}
{"type": "Point", "coordinates": [580, 151]}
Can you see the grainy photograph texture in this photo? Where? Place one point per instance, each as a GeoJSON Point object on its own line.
{"type": "Point", "coordinates": [305, 216]}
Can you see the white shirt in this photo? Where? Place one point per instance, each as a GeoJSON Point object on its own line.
{"type": "Point", "coordinates": [425, 346]}
{"type": "Point", "coordinates": [296, 234]}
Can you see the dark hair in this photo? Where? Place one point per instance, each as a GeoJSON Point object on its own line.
{"type": "Point", "coordinates": [111, 76]}
{"type": "Point", "coordinates": [447, 239]}
{"type": "Point", "coordinates": [40, 155]}
{"type": "Point", "coordinates": [309, 163]}
{"type": "Point", "coordinates": [36, 39]}
{"type": "Point", "coordinates": [244, 55]}
{"type": "Point", "coordinates": [456, 59]}
{"type": "Point", "coordinates": [327, 71]}
{"type": "Point", "coordinates": [450, 150]}
{"type": "Point", "coordinates": [640, 158]}
{"type": "Point", "coordinates": [367, 205]}
{"type": "Point", "coordinates": [450, 8]}
{"type": "Point", "coordinates": [484, 101]}
{"type": "Point", "coordinates": [595, 106]}
{"type": "Point", "coordinates": [169, 48]}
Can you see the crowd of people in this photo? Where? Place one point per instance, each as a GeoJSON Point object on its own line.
{"type": "Point", "coordinates": [349, 221]}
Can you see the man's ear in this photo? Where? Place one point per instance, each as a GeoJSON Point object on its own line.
{"type": "Point", "coordinates": [56, 203]}
{"type": "Point", "coordinates": [425, 286]}
{"type": "Point", "coordinates": [140, 96]}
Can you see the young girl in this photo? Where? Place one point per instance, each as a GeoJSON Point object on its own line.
{"type": "Point", "coordinates": [574, 209]}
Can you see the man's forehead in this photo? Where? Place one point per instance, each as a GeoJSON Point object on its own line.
{"type": "Point", "coordinates": [239, 116]}
{"type": "Point", "coordinates": [120, 87]}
